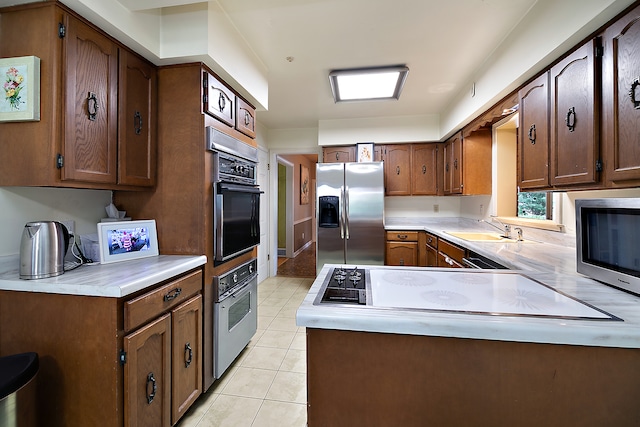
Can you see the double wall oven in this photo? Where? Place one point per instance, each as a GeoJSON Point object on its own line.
{"type": "Point", "coordinates": [236, 230]}
{"type": "Point", "coordinates": [236, 193]}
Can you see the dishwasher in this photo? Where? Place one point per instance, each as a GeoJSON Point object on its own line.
{"type": "Point", "coordinates": [477, 261]}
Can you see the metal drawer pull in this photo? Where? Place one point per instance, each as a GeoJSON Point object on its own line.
{"type": "Point", "coordinates": [189, 358]}
{"type": "Point", "coordinates": [92, 101]}
{"type": "Point", "coordinates": [571, 119]}
{"type": "Point", "coordinates": [154, 388]}
{"type": "Point", "coordinates": [172, 294]}
{"type": "Point", "coordinates": [402, 236]}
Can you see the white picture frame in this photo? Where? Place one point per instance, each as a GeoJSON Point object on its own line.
{"type": "Point", "coordinates": [20, 89]}
{"type": "Point", "coordinates": [121, 240]}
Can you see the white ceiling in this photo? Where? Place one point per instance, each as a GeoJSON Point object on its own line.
{"type": "Point", "coordinates": [441, 41]}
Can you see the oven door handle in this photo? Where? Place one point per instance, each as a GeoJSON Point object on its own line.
{"type": "Point", "coordinates": [240, 188]}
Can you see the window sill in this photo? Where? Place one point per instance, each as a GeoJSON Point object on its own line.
{"type": "Point", "coordinates": [542, 224]}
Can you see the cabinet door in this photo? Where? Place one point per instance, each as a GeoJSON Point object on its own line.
{"type": "Point", "coordinates": [245, 118]}
{"type": "Point", "coordinates": [147, 375]}
{"type": "Point", "coordinates": [186, 358]}
{"type": "Point", "coordinates": [339, 154]}
{"type": "Point", "coordinates": [621, 99]}
{"type": "Point", "coordinates": [402, 253]}
{"type": "Point", "coordinates": [424, 161]}
{"type": "Point", "coordinates": [533, 144]}
{"type": "Point", "coordinates": [397, 170]}
{"type": "Point", "coordinates": [219, 100]}
{"type": "Point", "coordinates": [574, 119]}
{"type": "Point", "coordinates": [137, 96]}
{"type": "Point", "coordinates": [453, 165]}
{"type": "Point", "coordinates": [91, 107]}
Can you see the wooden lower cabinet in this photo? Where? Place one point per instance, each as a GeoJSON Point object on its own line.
{"type": "Point", "coordinates": [431, 250]}
{"type": "Point", "coordinates": [412, 380]}
{"type": "Point", "coordinates": [402, 248]}
{"type": "Point", "coordinates": [110, 362]}
{"type": "Point", "coordinates": [450, 255]}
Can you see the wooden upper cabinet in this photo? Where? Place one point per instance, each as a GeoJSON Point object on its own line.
{"type": "Point", "coordinates": [621, 100]}
{"type": "Point", "coordinates": [245, 118]}
{"type": "Point", "coordinates": [219, 100]}
{"type": "Point", "coordinates": [424, 169]}
{"type": "Point", "coordinates": [533, 144]}
{"type": "Point", "coordinates": [339, 154]}
{"type": "Point", "coordinates": [91, 106]}
{"type": "Point", "coordinates": [574, 142]}
{"type": "Point", "coordinates": [453, 165]}
{"type": "Point", "coordinates": [137, 145]}
{"type": "Point", "coordinates": [397, 169]}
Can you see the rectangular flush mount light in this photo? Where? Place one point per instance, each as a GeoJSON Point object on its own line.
{"type": "Point", "coordinates": [358, 84]}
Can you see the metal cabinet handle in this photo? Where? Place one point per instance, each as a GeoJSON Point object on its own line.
{"type": "Point", "coordinates": [424, 169]}
{"type": "Point", "coordinates": [397, 170]}
{"type": "Point", "coordinates": [172, 294]}
{"type": "Point", "coordinates": [402, 236]}
{"type": "Point", "coordinates": [532, 134]}
{"type": "Point", "coordinates": [632, 93]}
{"type": "Point", "coordinates": [222, 102]}
{"type": "Point", "coordinates": [154, 388]}
{"type": "Point", "coordinates": [448, 260]}
{"type": "Point", "coordinates": [92, 106]}
{"type": "Point", "coordinates": [571, 119]}
{"type": "Point", "coordinates": [455, 164]}
{"type": "Point", "coordinates": [137, 122]}
{"type": "Point", "coordinates": [247, 119]}
{"type": "Point", "coordinates": [188, 351]}
{"type": "Point", "coordinates": [337, 156]}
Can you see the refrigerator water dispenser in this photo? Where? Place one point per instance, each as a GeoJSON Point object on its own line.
{"type": "Point", "coordinates": [329, 208]}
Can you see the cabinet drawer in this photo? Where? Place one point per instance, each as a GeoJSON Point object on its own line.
{"type": "Point", "coordinates": [147, 306]}
{"type": "Point", "coordinates": [432, 240]}
{"type": "Point", "coordinates": [219, 100]}
{"type": "Point", "coordinates": [452, 251]}
{"type": "Point", "coordinates": [403, 236]}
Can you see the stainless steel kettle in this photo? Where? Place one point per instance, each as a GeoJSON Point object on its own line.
{"type": "Point", "coordinates": [42, 249]}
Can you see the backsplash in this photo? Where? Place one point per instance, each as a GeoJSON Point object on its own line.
{"type": "Point", "coordinates": [23, 204]}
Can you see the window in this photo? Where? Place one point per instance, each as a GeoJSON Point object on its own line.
{"type": "Point", "coordinates": [535, 205]}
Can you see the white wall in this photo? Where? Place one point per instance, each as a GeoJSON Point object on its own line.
{"type": "Point", "coordinates": [19, 205]}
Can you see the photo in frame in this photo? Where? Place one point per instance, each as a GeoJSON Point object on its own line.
{"type": "Point", "coordinates": [364, 152]}
{"type": "Point", "coordinates": [304, 185]}
{"type": "Point", "coordinates": [126, 240]}
{"type": "Point", "coordinates": [20, 94]}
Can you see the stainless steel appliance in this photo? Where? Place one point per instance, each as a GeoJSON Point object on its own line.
{"type": "Point", "coordinates": [42, 249]}
{"type": "Point", "coordinates": [488, 292]}
{"type": "Point", "coordinates": [607, 236]}
{"type": "Point", "coordinates": [350, 213]}
{"type": "Point", "coordinates": [235, 313]}
{"type": "Point", "coordinates": [236, 198]}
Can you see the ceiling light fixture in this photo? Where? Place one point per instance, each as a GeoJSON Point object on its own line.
{"type": "Point", "coordinates": [359, 84]}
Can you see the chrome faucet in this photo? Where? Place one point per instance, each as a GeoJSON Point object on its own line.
{"type": "Point", "coordinates": [519, 233]}
{"type": "Point", "coordinates": [505, 229]}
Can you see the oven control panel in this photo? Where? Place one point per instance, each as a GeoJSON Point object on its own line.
{"type": "Point", "coordinates": [236, 277]}
{"type": "Point", "coordinates": [235, 169]}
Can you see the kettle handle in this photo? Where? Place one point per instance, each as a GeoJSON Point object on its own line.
{"type": "Point", "coordinates": [66, 236]}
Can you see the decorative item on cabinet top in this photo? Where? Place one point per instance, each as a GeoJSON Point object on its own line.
{"type": "Point", "coordinates": [20, 100]}
{"type": "Point", "coordinates": [365, 152]}
{"type": "Point", "coordinates": [126, 240]}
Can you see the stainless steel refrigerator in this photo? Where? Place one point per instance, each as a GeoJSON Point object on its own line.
{"type": "Point", "coordinates": [349, 214]}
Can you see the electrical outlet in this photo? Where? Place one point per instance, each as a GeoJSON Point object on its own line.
{"type": "Point", "coordinates": [436, 208]}
{"type": "Point", "coordinates": [70, 224]}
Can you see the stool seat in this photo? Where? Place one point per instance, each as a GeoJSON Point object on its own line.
{"type": "Point", "coordinates": [15, 371]}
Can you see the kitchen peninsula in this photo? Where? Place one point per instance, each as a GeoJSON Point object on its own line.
{"type": "Point", "coordinates": [375, 366]}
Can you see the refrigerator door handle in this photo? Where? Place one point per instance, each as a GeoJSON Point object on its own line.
{"type": "Point", "coordinates": [341, 207]}
{"type": "Point", "coordinates": [346, 211]}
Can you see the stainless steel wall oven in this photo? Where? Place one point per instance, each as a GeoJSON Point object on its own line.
{"type": "Point", "coordinates": [236, 199]}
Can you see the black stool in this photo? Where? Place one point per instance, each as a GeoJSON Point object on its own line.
{"type": "Point", "coordinates": [17, 390]}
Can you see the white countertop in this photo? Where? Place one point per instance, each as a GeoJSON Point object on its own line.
{"type": "Point", "coordinates": [604, 333]}
{"type": "Point", "coordinates": [531, 255]}
{"type": "Point", "coordinates": [103, 280]}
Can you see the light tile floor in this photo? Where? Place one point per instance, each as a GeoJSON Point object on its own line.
{"type": "Point", "coordinates": [266, 385]}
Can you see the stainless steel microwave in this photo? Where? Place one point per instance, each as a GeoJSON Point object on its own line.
{"type": "Point", "coordinates": [608, 241]}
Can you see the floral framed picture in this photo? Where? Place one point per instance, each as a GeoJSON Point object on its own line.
{"type": "Point", "coordinates": [365, 152]}
{"type": "Point", "coordinates": [20, 94]}
{"type": "Point", "coordinates": [304, 185]}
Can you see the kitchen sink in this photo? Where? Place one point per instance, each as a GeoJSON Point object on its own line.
{"type": "Point", "coordinates": [482, 236]}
